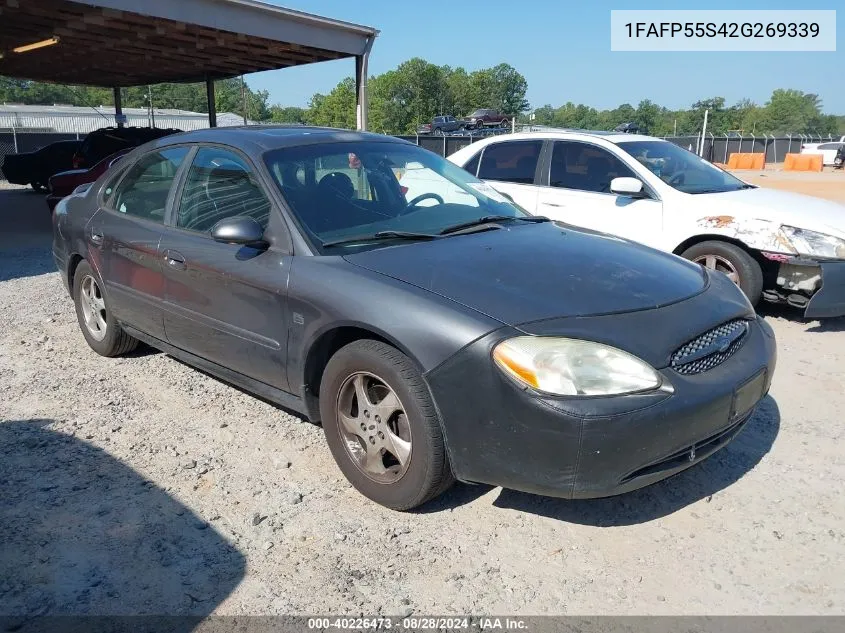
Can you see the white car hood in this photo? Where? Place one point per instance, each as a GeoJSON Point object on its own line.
{"type": "Point", "coordinates": [780, 207]}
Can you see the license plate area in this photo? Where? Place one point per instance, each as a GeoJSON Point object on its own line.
{"type": "Point", "coordinates": [748, 395]}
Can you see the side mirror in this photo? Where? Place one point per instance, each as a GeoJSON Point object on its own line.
{"type": "Point", "coordinates": [238, 230]}
{"type": "Point", "coordinates": [631, 187]}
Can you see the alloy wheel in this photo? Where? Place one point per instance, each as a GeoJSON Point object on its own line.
{"type": "Point", "coordinates": [722, 264]}
{"type": "Point", "coordinates": [93, 308]}
{"type": "Point", "coordinates": [375, 427]}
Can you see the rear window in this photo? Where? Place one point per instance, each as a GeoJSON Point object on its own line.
{"type": "Point", "coordinates": [510, 161]}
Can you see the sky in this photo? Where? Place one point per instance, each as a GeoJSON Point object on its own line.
{"type": "Point", "coordinates": [562, 47]}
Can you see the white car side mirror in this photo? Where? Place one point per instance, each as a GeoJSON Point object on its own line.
{"type": "Point", "coordinates": [630, 187]}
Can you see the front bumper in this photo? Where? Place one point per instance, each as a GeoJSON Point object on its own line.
{"type": "Point", "coordinates": [502, 434]}
{"type": "Point", "coordinates": [829, 301]}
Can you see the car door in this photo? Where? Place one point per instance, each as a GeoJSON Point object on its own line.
{"type": "Point", "coordinates": [511, 168]}
{"type": "Point", "coordinates": [577, 191]}
{"type": "Point", "coordinates": [125, 233]}
{"type": "Point", "coordinates": [224, 302]}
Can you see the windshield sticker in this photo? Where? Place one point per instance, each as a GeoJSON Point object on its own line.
{"type": "Point", "coordinates": [487, 190]}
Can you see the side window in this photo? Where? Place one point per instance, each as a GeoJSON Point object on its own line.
{"type": "Point", "coordinates": [108, 190]}
{"type": "Point", "coordinates": [143, 192]}
{"type": "Point", "coordinates": [472, 166]}
{"type": "Point", "coordinates": [510, 161]}
{"type": "Point", "coordinates": [220, 185]}
{"type": "Point", "coordinates": [585, 167]}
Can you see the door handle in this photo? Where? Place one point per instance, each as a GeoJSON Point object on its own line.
{"type": "Point", "coordinates": [96, 236]}
{"type": "Point", "coordinates": [175, 260]}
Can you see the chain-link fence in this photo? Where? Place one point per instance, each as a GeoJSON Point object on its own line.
{"type": "Point", "coordinates": [714, 148]}
{"type": "Point", "coordinates": [718, 149]}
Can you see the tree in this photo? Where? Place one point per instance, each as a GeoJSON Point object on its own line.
{"type": "Point", "coordinates": [793, 111]}
{"type": "Point", "coordinates": [336, 109]}
{"type": "Point", "coordinates": [289, 114]}
{"type": "Point", "coordinates": [416, 90]}
{"type": "Point", "coordinates": [509, 90]}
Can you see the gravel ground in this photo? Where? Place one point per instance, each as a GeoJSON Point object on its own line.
{"type": "Point", "coordinates": [140, 485]}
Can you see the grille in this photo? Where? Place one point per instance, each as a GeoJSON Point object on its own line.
{"type": "Point", "coordinates": [711, 348]}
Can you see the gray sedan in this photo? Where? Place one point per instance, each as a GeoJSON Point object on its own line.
{"type": "Point", "coordinates": [436, 330]}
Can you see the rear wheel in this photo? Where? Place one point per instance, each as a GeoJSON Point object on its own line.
{"type": "Point", "coordinates": [505, 123]}
{"type": "Point", "coordinates": [382, 427]}
{"type": "Point", "coordinates": [732, 260]}
{"type": "Point", "coordinates": [99, 327]}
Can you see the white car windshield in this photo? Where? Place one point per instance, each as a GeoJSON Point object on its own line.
{"type": "Point", "coordinates": [681, 169]}
{"type": "Point", "coordinates": [339, 191]}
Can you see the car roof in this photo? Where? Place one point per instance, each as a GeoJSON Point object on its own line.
{"type": "Point", "coordinates": [258, 138]}
{"type": "Point", "coordinates": [582, 135]}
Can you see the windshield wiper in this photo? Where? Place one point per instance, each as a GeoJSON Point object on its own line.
{"type": "Point", "coordinates": [382, 235]}
{"type": "Point", "coordinates": [487, 219]}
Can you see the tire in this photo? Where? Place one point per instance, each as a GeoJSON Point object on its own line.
{"type": "Point", "coordinates": [479, 125]}
{"type": "Point", "coordinates": [749, 275]}
{"type": "Point", "coordinates": [383, 369]}
{"type": "Point", "coordinates": [438, 131]}
{"type": "Point", "coordinates": [505, 123]}
{"type": "Point", "coordinates": [114, 341]}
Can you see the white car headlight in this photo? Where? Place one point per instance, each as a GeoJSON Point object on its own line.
{"type": "Point", "coordinates": [813, 243]}
{"type": "Point", "coordinates": [572, 367]}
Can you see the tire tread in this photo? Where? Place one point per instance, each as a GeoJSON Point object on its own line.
{"type": "Point", "coordinates": [438, 477]}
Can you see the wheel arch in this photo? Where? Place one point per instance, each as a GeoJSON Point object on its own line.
{"type": "Point", "coordinates": [325, 345]}
{"type": "Point", "coordinates": [768, 267]}
{"type": "Point", "coordinates": [72, 264]}
{"type": "Point", "coordinates": [714, 237]}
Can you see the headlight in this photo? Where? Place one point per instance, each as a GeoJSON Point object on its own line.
{"type": "Point", "coordinates": [571, 367]}
{"type": "Point", "coordinates": [814, 244]}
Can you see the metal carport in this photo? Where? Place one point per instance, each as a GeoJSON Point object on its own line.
{"type": "Point", "coordinates": [119, 43]}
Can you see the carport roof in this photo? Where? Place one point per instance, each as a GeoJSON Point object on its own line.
{"type": "Point", "coordinates": [138, 42]}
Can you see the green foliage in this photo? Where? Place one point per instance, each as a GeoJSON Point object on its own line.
{"type": "Point", "coordinates": [788, 111]}
{"type": "Point", "coordinates": [416, 91]}
{"type": "Point", "coordinates": [336, 109]}
{"type": "Point", "coordinates": [289, 114]}
{"type": "Point", "coordinates": [228, 96]}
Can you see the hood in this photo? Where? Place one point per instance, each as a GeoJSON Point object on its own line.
{"type": "Point", "coordinates": [529, 272]}
{"type": "Point", "coordinates": [782, 207]}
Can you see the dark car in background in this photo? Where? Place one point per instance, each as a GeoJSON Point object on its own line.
{"type": "Point", "coordinates": [63, 184]}
{"type": "Point", "coordinates": [487, 118]}
{"type": "Point", "coordinates": [35, 168]}
{"type": "Point", "coordinates": [442, 125]}
{"type": "Point", "coordinates": [104, 142]}
{"type": "Point", "coordinates": [438, 334]}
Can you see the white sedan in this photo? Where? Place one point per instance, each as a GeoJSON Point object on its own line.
{"type": "Point", "coordinates": [776, 245]}
{"type": "Point", "coordinates": [828, 150]}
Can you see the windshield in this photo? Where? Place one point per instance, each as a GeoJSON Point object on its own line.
{"type": "Point", "coordinates": [343, 190]}
{"type": "Point", "coordinates": [681, 169]}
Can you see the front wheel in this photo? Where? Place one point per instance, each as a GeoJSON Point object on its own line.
{"type": "Point", "coordinates": [382, 427]}
{"type": "Point", "coordinates": [99, 327]}
{"type": "Point", "coordinates": [736, 263]}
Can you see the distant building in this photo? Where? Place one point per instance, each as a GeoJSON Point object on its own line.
{"type": "Point", "coordinates": [76, 120]}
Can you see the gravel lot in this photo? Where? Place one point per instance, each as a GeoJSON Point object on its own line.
{"type": "Point", "coordinates": [140, 485]}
